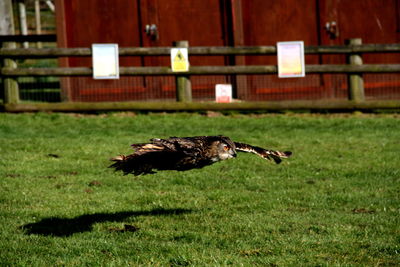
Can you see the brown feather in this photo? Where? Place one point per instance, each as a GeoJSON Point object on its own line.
{"type": "Point", "coordinates": [264, 153]}
{"type": "Point", "coordinates": [185, 153]}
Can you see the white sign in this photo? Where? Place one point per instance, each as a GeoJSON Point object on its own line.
{"type": "Point", "coordinates": [223, 93]}
{"type": "Point", "coordinates": [290, 59]}
{"type": "Point", "coordinates": [105, 61]}
{"type": "Point", "coordinates": [179, 59]}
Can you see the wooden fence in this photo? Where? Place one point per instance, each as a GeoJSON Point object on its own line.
{"type": "Point", "coordinates": [354, 70]}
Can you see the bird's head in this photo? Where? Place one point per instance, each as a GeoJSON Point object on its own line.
{"type": "Point", "coordinates": [226, 149]}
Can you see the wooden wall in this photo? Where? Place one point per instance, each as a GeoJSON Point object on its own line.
{"type": "Point", "coordinates": [226, 23]}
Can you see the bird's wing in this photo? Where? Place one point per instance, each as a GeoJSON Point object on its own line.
{"type": "Point", "coordinates": [160, 154]}
{"type": "Point", "coordinates": [157, 145]}
{"type": "Point", "coordinates": [145, 158]}
{"type": "Point", "coordinates": [142, 148]}
{"type": "Point", "coordinates": [190, 146]}
{"type": "Point", "coordinates": [264, 153]}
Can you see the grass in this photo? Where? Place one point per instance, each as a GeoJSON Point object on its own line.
{"type": "Point", "coordinates": [336, 202]}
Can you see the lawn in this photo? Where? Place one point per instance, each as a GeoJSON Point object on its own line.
{"type": "Point", "coordinates": [335, 202]}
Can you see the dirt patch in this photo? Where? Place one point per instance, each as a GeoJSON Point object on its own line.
{"type": "Point", "coordinates": [363, 210]}
{"type": "Point", "coordinates": [126, 228]}
{"type": "Point", "coordinates": [95, 183]}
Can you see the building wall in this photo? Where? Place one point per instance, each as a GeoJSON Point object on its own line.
{"type": "Point", "coordinates": [226, 23]}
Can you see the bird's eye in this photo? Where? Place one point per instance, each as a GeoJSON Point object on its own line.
{"type": "Point", "coordinates": [226, 148]}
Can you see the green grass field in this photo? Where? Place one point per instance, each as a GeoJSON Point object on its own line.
{"type": "Point", "coordinates": [335, 202]}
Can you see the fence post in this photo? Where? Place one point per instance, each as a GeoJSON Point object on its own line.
{"type": "Point", "coordinates": [183, 84]}
{"type": "Point", "coordinates": [10, 85]}
{"type": "Point", "coordinates": [356, 82]}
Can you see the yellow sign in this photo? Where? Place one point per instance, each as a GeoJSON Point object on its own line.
{"type": "Point", "coordinates": [179, 59]}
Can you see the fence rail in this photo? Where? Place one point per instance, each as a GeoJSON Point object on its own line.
{"type": "Point", "coordinates": [209, 51]}
{"type": "Point", "coordinates": [354, 69]}
{"type": "Point", "coordinates": [195, 106]}
{"type": "Point", "coordinates": [28, 38]}
{"type": "Point", "coordinates": [203, 70]}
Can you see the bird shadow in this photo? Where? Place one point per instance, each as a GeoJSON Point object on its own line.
{"type": "Point", "coordinates": [63, 227]}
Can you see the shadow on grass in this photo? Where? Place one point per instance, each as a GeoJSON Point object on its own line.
{"type": "Point", "coordinates": [55, 226]}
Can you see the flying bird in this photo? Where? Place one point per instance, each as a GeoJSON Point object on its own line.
{"type": "Point", "coordinates": [186, 153]}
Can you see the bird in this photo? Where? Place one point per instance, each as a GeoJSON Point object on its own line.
{"type": "Point", "coordinates": [186, 153]}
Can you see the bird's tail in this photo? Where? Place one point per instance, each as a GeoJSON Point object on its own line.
{"type": "Point", "coordinates": [130, 164]}
{"type": "Point", "coordinates": [120, 164]}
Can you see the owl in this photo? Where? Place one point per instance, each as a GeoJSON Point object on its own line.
{"type": "Point", "coordinates": [186, 153]}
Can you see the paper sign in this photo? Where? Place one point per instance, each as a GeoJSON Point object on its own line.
{"type": "Point", "coordinates": [290, 59]}
{"type": "Point", "coordinates": [223, 93]}
{"type": "Point", "coordinates": [179, 59]}
{"type": "Point", "coordinates": [105, 61]}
